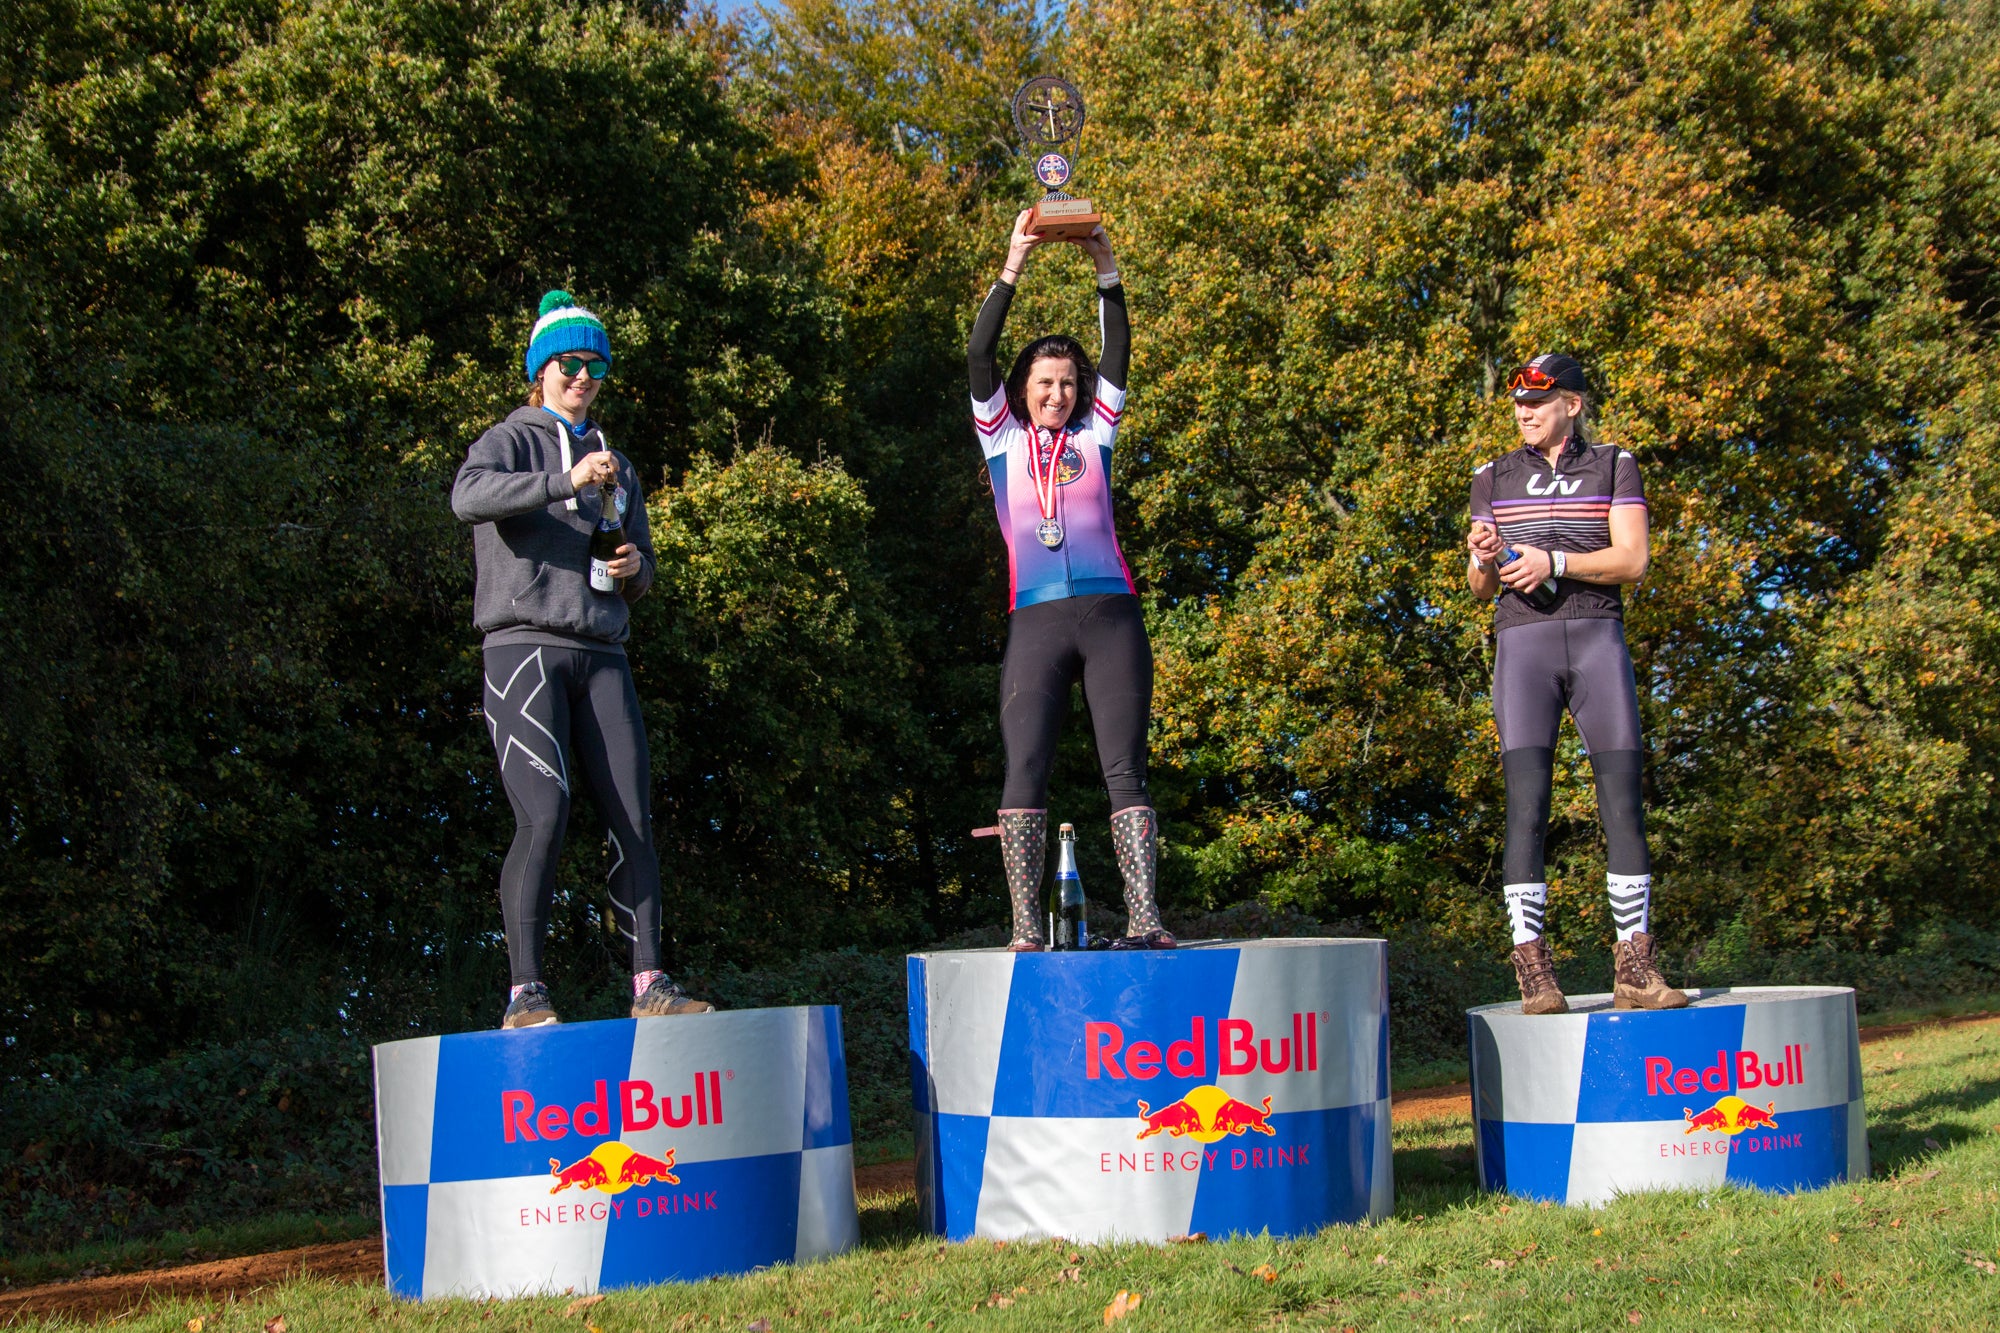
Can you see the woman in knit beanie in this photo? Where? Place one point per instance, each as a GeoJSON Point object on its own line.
{"type": "Point", "coordinates": [559, 699]}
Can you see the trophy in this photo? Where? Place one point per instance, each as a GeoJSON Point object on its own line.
{"type": "Point", "coordinates": [1049, 113]}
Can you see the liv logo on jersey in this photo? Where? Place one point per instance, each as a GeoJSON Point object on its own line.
{"type": "Point", "coordinates": [1556, 486]}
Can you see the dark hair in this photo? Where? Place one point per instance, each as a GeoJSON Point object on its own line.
{"type": "Point", "coordinates": [1055, 347]}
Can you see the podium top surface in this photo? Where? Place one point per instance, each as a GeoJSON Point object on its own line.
{"type": "Point", "coordinates": [1185, 946]}
{"type": "Point", "coordinates": [724, 1023]}
{"type": "Point", "coordinates": [1708, 997]}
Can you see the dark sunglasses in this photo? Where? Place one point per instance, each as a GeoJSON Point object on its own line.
{"type": "Point", "coordinates": [1534, 381]}
{"type": "Point", "coordinates": [569, 365]}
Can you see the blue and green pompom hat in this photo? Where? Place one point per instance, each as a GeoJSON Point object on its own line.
{"type": "Point", "coordinates": [564, 326]}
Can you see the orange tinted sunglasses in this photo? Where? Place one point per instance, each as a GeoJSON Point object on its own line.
{"type": "Point", "coordinates": [1534, 381]}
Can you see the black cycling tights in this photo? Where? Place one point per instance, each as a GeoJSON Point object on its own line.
{"type": "Point", "coordinates": [544, 706]}
{"type": "Point", "coordinates": [1101, 638]}
{"type": "Point", "coordinates": [1539, 670]}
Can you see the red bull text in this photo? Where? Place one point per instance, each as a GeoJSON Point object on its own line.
{"type": "Point", "coordinates": [1733, 1071]}
{"type": "Point", "coordinates": [1239, 1049]}
{"type": "Point", "coordinates": [638, 1108]}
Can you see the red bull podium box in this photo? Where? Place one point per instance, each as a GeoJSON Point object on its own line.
{"type": "Point", "coordinates": [1748, 1085]}
{"type": "Point", "coordinates": [1226, 1086]}
{"type": "Point", "coordinates": [578, 1156]}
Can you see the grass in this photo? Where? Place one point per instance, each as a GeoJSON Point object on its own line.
{"type": "Point", "coordinates": [1913, 1247]}
{"type": "Point", "coordinates": [279, 1232]}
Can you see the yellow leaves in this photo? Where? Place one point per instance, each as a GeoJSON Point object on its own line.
{"type": "Point", "coordinates": [1124, 1303]}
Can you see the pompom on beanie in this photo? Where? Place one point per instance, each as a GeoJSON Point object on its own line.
{"type": "Point", "coordinates": [564, 326]}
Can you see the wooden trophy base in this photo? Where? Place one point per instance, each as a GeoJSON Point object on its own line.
{"type": "Point", "coordinates": [1063, 219]}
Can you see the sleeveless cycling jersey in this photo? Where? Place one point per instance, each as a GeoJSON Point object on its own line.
{"type": "Point", "coordinates": [1565, 508]}
{"type": "Point", "coordinates": [1087, 560]}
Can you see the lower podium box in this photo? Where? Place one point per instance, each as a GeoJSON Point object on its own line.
{"type": "Point", "coordinates": [1748, 1085]}
{"type": "Point", "coordinates": [1226, 1086]}
{"type": "Point", "coordinates": [577, 1156]}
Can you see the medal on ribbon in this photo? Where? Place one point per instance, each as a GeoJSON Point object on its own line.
{"type": "Point", "coordinates": [1047, 474]}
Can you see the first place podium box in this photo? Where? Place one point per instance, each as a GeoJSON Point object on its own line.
{"type": "Point", "coordinates": [578, 1156]}
{"type": "Point", "coordinates": [1223, 1087]}
{"type": "Point", "coordinates": [1748, 1085]}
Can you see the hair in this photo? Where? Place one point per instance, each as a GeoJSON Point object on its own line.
{"type": "Point", "coordinates": [535, 392]}
{"type": "Point", "coordinates": [1585, 430]}
{"type": "Point", "coordinates": [1055, 347]}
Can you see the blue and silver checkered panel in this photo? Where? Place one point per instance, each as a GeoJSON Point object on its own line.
{"type": "Point", "coordinates": [1752, 1086]}
{"type": "Point", "coordinates": [1221, 1087]}
{"type": "Point", "coordinates": [586, 1155]}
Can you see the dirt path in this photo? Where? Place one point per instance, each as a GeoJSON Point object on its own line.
{"type": "Point", "coordinates": [98, 1298]}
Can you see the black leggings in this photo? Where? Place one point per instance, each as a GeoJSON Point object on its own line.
{"type": "Point", "coordinates": [1539, 670]}
{"type": "Point", "coordinates": [1103, 639]}
{"type": "Point", "coordinates": [543, 706]}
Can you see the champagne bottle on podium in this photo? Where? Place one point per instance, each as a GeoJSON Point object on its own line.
{"type": "Point", "coordinates": [605, 541]}
{"type": "Point", "coordinates": [1067, 929]}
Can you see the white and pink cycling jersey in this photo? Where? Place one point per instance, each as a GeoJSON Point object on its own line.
{"type": "Point", "coordinates": [1087, 560]}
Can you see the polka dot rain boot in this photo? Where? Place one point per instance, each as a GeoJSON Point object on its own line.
{"type": "Point", "coordinates": [1024, 845]}
{"type": "Point", "coordinates": [1135, 836]}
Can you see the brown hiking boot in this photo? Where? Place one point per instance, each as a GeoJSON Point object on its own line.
{"type": "Point", "coordinates": [1636, 981]}
{"type": "Point", "coordinates": [1536, 972]}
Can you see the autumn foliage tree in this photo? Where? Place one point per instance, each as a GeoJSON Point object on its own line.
{"type": "Point", "coordinates": [267, 269]}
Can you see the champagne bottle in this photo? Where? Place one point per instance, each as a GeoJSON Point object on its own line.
{"type": "Point", "coordinates": [604, 542]}
{"type": "Point", "coordinates": [1067, 929]}
{"type": "Point", "coordinates": [1543, 595]}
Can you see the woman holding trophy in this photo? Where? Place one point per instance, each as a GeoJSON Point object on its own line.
{"type": "Point", "coordinates": [1047, 432]}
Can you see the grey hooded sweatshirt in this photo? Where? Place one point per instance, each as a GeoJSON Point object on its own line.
{"type": "Point", "coordinates": [531, 550]}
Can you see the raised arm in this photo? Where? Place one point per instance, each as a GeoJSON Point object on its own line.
{"type": "Point", "coordinates": [1114, 327]}
{"type": "Point", "coordinates": [981, 364]}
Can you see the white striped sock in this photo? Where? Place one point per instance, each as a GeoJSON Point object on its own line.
{"type": "Point", "coordinates": [1527, 905]}
{"type": "Point", "coordinates": [1631, 897]}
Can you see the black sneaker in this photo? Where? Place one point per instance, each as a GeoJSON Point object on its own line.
{"type": "Point", "coordinates": [530, 1009]}
{"type": "Point", "coordinates": [664, 998]}
{"type": "Point", "coordinates": [1152, 939]}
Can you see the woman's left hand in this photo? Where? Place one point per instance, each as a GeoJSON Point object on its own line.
{"type": "Point", "coordinates": [626, 563]}
{"type": "Point", "coordinates": [1098, 246]}
{"type": "Point", "coordinates": [1529, 572]}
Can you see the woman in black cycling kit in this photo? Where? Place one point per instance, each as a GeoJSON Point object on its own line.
{"type": "Point", "coordinates": [559, 700]}
{"type": "Point", "coordinates": [1047, 432]}
{"type": "Point", "coordinates": [1558, 527]}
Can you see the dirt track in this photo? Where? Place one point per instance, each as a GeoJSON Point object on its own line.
{"type": "Point", "coordinates": [98, 1298]}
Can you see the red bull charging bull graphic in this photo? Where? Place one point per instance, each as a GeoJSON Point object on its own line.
{"type": "Point", "coordinates": [1755, 1086]}
{"type": "Point", "coordinates": [590, 1155]}
{"type": "Point", "coordinates": [1228, 1086]}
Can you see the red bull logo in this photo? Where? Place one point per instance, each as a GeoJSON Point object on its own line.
{"type": "Point", "coordinates": [1239, 1048]}
{"type": "Point", "coordinates": [1730, 1117]}
{"type": "Point", "coordinates": [613, 1168]}
{"type": "Point", "coordinates": [638, 1108]}
{"type": "Point", "coordinates": [1733, 1071]}
{"type": "Point", "coordinates": [1205, 1115]}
